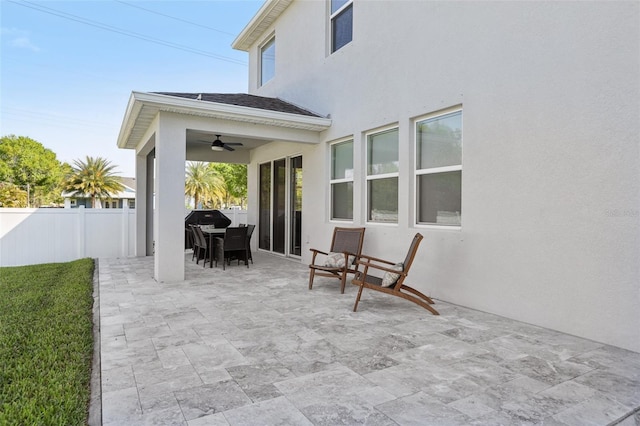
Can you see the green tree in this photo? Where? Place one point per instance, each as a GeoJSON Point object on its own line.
{"type": "Point", "coordinates": [94, 177]}
{"type": "Point", "coordinates": [12, 196]}
{"type": "Point", "coordinates": [232, 186]}
{"type": "Point", "coordinates": [55, 196]}
{"type": "Point", "coordinates": [199, 182]}
{"type": "Point", "coordinates": [30, 166]}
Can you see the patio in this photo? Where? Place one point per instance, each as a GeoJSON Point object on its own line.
{"type": "Point", "coordinates": [255, 346]}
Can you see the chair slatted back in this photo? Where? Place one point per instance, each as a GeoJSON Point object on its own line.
{"type": "Point", "coordinates": [250, 229]}
{"type": "Point", "coordinates": [347, 239]}
{"type": "Point", "coordinates": [413, 249]}
{"type": "Point", "coordinates": [199, 235]}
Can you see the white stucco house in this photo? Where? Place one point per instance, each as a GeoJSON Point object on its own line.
{"type": "Point", "coordinates": [507, 133]}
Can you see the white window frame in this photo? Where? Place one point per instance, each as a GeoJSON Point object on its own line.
{"type": "Point", "coordinates": [369, 177]}
{"type": "Point", "coordinates": [332, 17]}
{"type": "Point", "coordinates": [269, 40]}
{"type": "Point", "coordinates": [433, 170]}
{"type": "Point", "coordinates": [333, 181]}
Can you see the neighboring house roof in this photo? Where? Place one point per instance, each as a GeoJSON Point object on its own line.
{"type": "Point", "coordinates": [245, 100]}
{"type": "Point", "coordinates": [143, 108]}
{"type": "Point", "coordinates": [268, 13]}
{"type": "Point", "coordinates": [129, 190]}
{"type": "Point", "coordinates": [128, 182]}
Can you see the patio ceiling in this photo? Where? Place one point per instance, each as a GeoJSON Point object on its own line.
{"type": "Point", "coordinates": [144, 107]}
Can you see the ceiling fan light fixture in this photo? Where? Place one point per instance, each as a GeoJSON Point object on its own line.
{"type": "Point", "coordinates": [217, 145]}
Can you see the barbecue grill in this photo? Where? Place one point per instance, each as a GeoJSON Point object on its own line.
{"type": "Point", "coordinates": [203, 217]}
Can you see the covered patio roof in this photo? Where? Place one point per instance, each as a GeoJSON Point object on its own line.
{"type": "Point", "coordinates": [166, 129]}
{"type": "Point", "coordinates": [143, 107]}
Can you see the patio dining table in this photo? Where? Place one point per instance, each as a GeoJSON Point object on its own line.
{"type": "Point", "coordinates": [212, 232]}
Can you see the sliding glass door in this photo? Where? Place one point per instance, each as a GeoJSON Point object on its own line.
{"type": "Point", "coordinates": [295, 206]}
{"type": "Point", "coordinates": [279, 205]}
{"type": "Point", "coordinates": [264, 221]}
{"type": "Point", "coordinates": [280, 222]}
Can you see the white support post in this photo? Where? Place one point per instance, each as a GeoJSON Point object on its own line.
{"type": "Point", "coordinates": [168, 229]}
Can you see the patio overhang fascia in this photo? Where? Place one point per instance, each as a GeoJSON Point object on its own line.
{"type": "Point", "coordinates": [268, 13]}
{"type": "Point", "coordinates": [144, 107]}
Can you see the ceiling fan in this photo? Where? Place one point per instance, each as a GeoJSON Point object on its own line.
{"type": "Point", "coordinates": [218, 145]}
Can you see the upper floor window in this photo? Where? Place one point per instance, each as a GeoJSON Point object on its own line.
{"type": "Point", "coordinates": [342, 180]}
{"type": "Point", "coordinates": [439, 169]}
{"type": "Point", "coordinates": [341, 23]}
{"type": "Point", "coordinates": [267, 61]}
{"type": "Point", "coordinates": [382, 176]}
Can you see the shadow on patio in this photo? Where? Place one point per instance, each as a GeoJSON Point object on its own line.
{"type": "Point", "coordinates": [255, 346]}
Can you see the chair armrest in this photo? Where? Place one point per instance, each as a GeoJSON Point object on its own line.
{"type": "Point", "coordinates": [368, 265]}
{"type": "Point", "coordinates": [373, 259]}
{"type": "Point", "coordinates": [316, 251]}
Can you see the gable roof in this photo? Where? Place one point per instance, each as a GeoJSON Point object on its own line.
{"type": "Point", "coordinates": [244, 100]}
{"type": "Point", "coordinates": [143, 107]}
{"type": "Point", "coordinates": [128, 182]}
{"type": "Point", "coordinates": [268, 13]}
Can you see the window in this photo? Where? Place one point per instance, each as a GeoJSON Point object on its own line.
{"type": "Point", "coordinates": [439, 169]}
{"type": "Point", "coordinates": [341, 23]}
{"type": "Point", "coordinates": [382, 176]}
{"type": "Point", "coordinates": [267, 61]}
{"type": "Point", "coordinates": [342, 180]}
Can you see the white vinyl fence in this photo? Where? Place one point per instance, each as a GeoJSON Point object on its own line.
{"type": "Point", "coordinates": [32, 236]}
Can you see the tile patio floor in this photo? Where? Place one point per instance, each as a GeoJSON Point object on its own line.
{"type": "Point", "coordinates": [256, 347]}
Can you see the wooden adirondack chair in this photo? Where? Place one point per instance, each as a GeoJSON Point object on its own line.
{"type": "Point", "coordinates": [393, 280]}
{"type": "Point", "coordinates": [340, 260]}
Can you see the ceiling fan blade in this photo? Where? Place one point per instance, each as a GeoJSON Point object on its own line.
{"type": "Point", "coordinates": [227, 147]}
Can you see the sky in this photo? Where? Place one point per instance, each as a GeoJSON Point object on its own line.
{"type": "Point", "coordinates": [67, 68]}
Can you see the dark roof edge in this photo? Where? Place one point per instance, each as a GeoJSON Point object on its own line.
{"type": "Point", "coordinates": [245, 100]}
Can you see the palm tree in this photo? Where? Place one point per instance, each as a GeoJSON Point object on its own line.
{"type": "Point", "coordinates": [200, 181]}
{"type": "Point", "coordinates": [93, 177]}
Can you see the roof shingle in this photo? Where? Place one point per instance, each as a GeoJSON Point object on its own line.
{"type": "Point", "coordinates": [245, 100]}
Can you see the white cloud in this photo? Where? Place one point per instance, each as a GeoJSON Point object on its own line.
{"type": "Point", "coordinates": [19, 39]}
{"type": "Point", "coordinates": [23, 43]}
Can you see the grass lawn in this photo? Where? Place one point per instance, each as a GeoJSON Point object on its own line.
{"type": "Point", "coordinates": [46, 343]}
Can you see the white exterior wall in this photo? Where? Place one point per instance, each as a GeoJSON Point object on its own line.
{"type": "Point", "coordinates": [551, 191]}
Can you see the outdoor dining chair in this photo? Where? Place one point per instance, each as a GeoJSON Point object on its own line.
{"type": "Point", "coordinates": [194, 242]}
{"type": "Point", "coordinates": [233, 245]}
{"type": "Point", "coordinates": [346, 246]}
{"type": "Point", "coordinates": [250, 229]}
{"type": "Point", "coordinates": [201, 246]}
